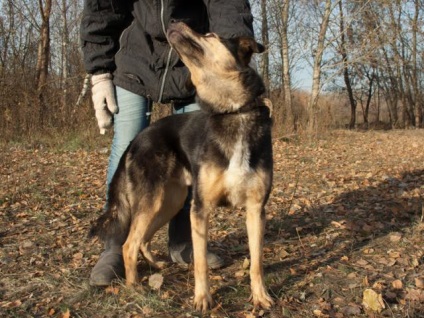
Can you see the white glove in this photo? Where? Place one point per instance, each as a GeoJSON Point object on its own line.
{"type": "Point", "coordinates": [103, 95]}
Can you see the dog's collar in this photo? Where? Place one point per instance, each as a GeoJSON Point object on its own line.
{"type": "Point", "coordinates": [248, 107]}
{"type": "Point", "coordinates": [255, 104]}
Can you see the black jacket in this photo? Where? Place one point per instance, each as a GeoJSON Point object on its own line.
{"type": "Point", "coordinates": [128, 39]}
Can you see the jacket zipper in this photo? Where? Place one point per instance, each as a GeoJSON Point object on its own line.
{"type": "Point", "coordinates": [168, 59]}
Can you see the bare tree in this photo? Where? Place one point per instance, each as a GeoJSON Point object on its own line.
{"type": "Point", "coordinates": [345, 63]}
{"type": "Point", "coordinates": [43, 56]}
{"type": "Point", "coordinates": [316, 77]}
{"type": "Point", "coordinates": [265, 42]}
{"type": "Point", "coordinates": [291, 120]}
{"type": "Point", "coordinates": [414, 53]}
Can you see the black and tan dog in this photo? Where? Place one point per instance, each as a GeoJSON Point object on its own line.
{"type": "Point", "coordinates": [223, 151]}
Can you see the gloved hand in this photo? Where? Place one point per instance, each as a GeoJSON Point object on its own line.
{"type": "Point", "coordinates": [103, 95]}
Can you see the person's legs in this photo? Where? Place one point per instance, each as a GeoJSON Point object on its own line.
{"type": "Point", "coordinates": [128, 122]}
{"type": "Point", "coordinates": [133, 117]}
{"type": "Point", "coordinates": [179, 230]}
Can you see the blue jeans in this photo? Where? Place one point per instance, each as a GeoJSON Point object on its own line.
{"type": "Point", "coordinates": [133, 117]}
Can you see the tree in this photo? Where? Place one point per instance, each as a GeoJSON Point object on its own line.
{"type": "Point", "coordinates": [43, 56]}
{"type": "Point", "coordinates": [291, 120]}
{"type": "Point", "coordinates": [345, 65]}
{"type": "Point", "coordinates": [316, 77]}
{"type": "Point", "coordinates": [414, 53]}
{"type": "Point", "coordinates": [265, 42]}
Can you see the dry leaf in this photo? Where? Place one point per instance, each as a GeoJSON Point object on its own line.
{"type": "Point", "coordinates": [147, 311]}
{"type": "Point", "coordinates": [362, 262]}
{"type": "Point", "coordinates": [377, 285]}
{"type": "Point", "coordinates": [414, 295]}
{"type": "Point", "coordinates": [393, 254]}
{"type": "Point", "coordinates": [352, 310]}
{"type": "Point", "coordinates": [12, 304]}
{"type": "Point", "coordinates": [395, 237]}
{"type": "Point", "coordinates": [216, 277]}
{"type": "Point", "coordinates": [419, 283]}
{"type": "Point", "coordinates": [239, 273]}
{"type": "Point", "coordinates": [112, 290]}
{"type": "Point", "coordinates": [246, 263]}
{"type": "Point", "coordinates": [365, 281]}
{"type": "Point", "coordinates": [66, 314]}
{"type": "Point", "coordinates": [78, 256]}
{"type": "Point", "coordinates": [344, 258]}
{"type": "Point", "coordinates": [373, 300]}
{"type": "Point", "coordinates": [156, 281]}
{"type": "Point", "coordinates": [397, 284]}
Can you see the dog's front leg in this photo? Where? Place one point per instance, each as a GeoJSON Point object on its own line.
{"type": "Point", "coordinates": [199, 232]}
{"type": "Point", "coordinates": [255, 221]}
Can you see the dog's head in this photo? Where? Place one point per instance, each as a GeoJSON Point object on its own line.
{"type": "Point", "coordinates": [219, 67]}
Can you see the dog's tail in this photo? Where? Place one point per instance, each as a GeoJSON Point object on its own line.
{"type": "Point", "coordinates": [115, 222]}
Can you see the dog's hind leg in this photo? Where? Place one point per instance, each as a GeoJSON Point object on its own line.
{"type": "Point", "coordinates": [151, 215]}
{"type": "Point", "coordinates": [173, 199]}
{"type": "Point", "coordinates": [255, 222]}
{"type": "Point", "coordinates": [148, 256]}
{"type": "Point", "coordinates": [131, 246]}
{"type": "Point", "coordinates": [143, 227]}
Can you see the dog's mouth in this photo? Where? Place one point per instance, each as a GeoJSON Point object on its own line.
{"type": "Point", "coordinates": [177, 30]}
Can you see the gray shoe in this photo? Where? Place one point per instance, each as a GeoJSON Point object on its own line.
{"type": "Point", "coordinates": [109, 267]}
{"type": "Point", "coordinates": [183, 254]}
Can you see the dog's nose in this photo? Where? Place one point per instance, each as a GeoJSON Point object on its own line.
{"type": "Point", "coordinates": [174, 21]}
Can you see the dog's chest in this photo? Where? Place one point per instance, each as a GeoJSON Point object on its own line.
{"type": "Point", "coordinates": [238, 173]}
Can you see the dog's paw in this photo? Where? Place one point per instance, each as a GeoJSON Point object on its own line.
{"type": "Point", "coordinates": [159, 265]}
{"type": "Point", "coordinates": [202, 302]}
{"type": "Point", "coordinates": [261, 299]}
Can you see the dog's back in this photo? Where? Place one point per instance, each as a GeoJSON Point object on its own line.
{"type": "Point", "coordinates": [151, 159]}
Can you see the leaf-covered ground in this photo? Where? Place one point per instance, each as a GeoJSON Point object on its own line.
{"type": "Point", "coordinates": [344, 235]}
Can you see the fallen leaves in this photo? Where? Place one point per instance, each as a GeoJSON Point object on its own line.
{"type": "Point", "coordinates": [372, 300]}
{"type": "Point", "coordinates": [156, 281]}
{"type": "Point", "coordinates": [395, 237]}
{"type": "Point", "coordinates": [344, 216]}
{"type": "Point", "coordinates": [397, 284]}
{"type": "Point", "coordinates": [419, 282]}
{"type": "Point", "coordinates": [11, 304]}
{"type": "Point", "coordinates": [114, 290]}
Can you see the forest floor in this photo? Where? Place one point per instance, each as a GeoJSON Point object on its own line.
{"type": "Point", "coordinates": [344, 235]}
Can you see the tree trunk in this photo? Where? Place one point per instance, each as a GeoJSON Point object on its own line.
{"type": "Point", "coordinates": [64, 77]}
{"type": "Point", "coordinates": [369, 97]}
{"type": "Point", "coordinates": [7, 36]}
{"type": "Point", "coordinates": [417, 93]}
{"type": "Point", "coordinates": [316, 78]}
{"type": "Point", "coordinates": [291, 120]}
{"type": "Point", "coordinates": [43, 57]}
{"type": "Point", "coordinates": [346, 77]}
{"type": "Point", "coordinates": [265, 42]}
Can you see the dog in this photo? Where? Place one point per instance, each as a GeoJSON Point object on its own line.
{"type": "Point", "coordinates": [223, 151]}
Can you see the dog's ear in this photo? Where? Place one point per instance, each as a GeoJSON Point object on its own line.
{"type": "Point", "coordinates": [246, 47]}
